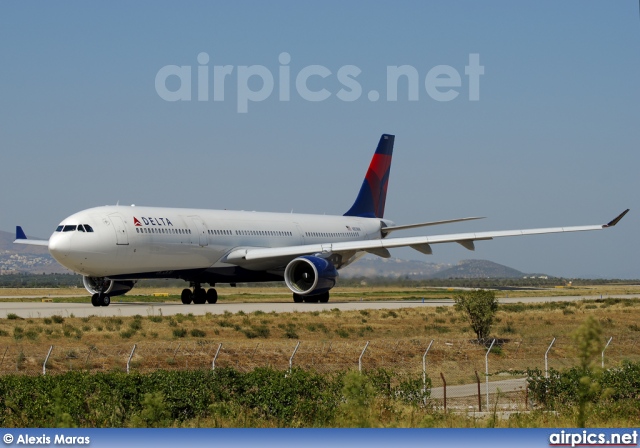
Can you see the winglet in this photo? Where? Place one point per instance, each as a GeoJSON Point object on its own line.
{"type": "Point", "coordinates": [20, 235]}
{"type": "Point", "coordinates": [616, 220]}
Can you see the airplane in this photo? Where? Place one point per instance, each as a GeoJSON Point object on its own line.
{"type": "Point", "coordinates": [113, 247]}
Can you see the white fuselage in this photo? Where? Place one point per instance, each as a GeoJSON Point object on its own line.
{"type": "Point", "coordinates": [132, 240]}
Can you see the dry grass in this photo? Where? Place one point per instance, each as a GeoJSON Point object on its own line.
{"type": "Point", "coordinates": [330, 339]}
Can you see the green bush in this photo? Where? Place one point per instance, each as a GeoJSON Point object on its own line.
{"type": "Point", "coordinates": [479, 307]}
{"type": "Point", "coordinates": [262, 397]}
{"type": "Point", "coordinates": [179, 333]}
{"type": "Point", "coordinates": [197, 333]}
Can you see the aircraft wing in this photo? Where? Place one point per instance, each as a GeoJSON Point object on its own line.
{"type": "Point", "coordinates": [422, 244]}
{"type": "Point", "coordinates": [21, 238]}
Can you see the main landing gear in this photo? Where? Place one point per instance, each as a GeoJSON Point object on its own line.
{"type": "Point", "coordinates": [100, 299]}
{"type": "Point", "coordinates": [322, 298]}
{"type": "Point", "coordinates": [199, 295]}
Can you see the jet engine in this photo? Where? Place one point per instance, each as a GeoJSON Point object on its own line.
{"type": "Point", "coordinates": [106, 286]}
{"type": "Point", "coordinates": [310, 275]}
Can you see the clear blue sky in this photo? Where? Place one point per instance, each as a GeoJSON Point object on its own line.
{"type": "Point", "coordinates": [553, 139]}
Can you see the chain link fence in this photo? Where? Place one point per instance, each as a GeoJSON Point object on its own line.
{"type": "Point", "coordinates": [461, 371]}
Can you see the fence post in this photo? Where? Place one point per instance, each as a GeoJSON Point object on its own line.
{"type": "Point", "coordinates": [213, 363]}
{"type": "Point", "coordinates": [292, 355]}
{"type": "Point", "coordinates": [175, 353]}
{"type": "Point", "coordinates": [486, 364]}
{"type": "Point", "coordinates": [5, 352]}
{"type": "Point", "coordinates": [605, 347]}
{"type": "Point", "coordinates": [360, 358]}
{"type": "Point", "coordinates": [424, 373]}
{"type": "Point", "coordinates": [479, 394]}
{"type": "Point", "coordinates": [44, 365]}
{"type": "Point", "coordinates": [86, 361]}
{"type": "Point", "coordinates": [130, 356]}
{"type": "Point", "coordinates": [546, 365]}
{"type": "Point", "coordinates": [444, 390]}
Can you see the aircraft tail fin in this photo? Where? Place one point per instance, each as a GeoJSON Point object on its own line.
{"type": "Point", "coordinates": [373, 193]}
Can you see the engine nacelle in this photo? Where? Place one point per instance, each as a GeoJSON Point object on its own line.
{"type": "Point", "coordinates": [106, 286]}
{"type": "Point", "coordinates": [309, 275]}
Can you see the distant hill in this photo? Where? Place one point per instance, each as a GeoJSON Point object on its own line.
{"type": "Point", "coordinates": [20, 258]}
{"type": "Point", "coordinates": [371, 267]}
{"type": "Point", "coordinates": [479, 269]}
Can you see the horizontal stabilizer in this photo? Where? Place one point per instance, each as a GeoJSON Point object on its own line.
{"type": "Point", "coordinates": [387, 230]}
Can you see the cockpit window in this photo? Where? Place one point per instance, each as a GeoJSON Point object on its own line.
{"type": "Point", "coordinates": [69, 228]}
{"type": "Point", "coordinates": [59, 228]}
{"type": "Point", "coordinates": [88, 228]}
{"type": "Point", "coordinates": [80, 228]}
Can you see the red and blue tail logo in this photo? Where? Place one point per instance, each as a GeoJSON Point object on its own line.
{"type": "Point", "coordinates": [373, 193]}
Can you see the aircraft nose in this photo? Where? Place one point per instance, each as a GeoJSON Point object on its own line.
{"type": "Point", "coordinates": [59, 246]}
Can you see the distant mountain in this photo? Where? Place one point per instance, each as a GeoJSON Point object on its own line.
{"type": "Point", "coordinates": [479, 269]}
{"type": "Point", "coordinates": [18, 258]}
{"type": "Point", "coordinates": [418, 270]}
{"type": "Point", "coordinates": [371, 266]}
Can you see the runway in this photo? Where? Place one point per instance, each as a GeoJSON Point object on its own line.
{"type": "Point", "coordinates": [47, 309]}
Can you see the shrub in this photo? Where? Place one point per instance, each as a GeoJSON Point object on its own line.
{"type": "Point", "coordinates": [479, 307]}
{"type": "Point", "coordinates": [179, 333]}
{"type": "Point", "coordinates": [127, 334]}
{"type": "Point", "coordinates": [197, 333]}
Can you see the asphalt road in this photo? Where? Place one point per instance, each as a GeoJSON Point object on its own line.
{"type": "Point", "coordinates": [470, 390]}
{"type": "Point", "coordinates": [48, 309]}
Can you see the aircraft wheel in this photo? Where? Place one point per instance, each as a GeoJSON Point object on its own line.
{"type": "Point", "coordinates": [199, 296]}
{"type": "Point", "coordinates": [186, 296]}
{"type": "Point", "coordinates": [324, 298]}
{"type": "Point", "coordinates": [312, 299]}
{"type": "Point", "coordinates": [95, 300]}
{"type": "Point", "coordinates": [297, 298]}
{"type": "Point", "coordinates": [105, 300]}
{"type": "Point", "coordinates": [212, 296]}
